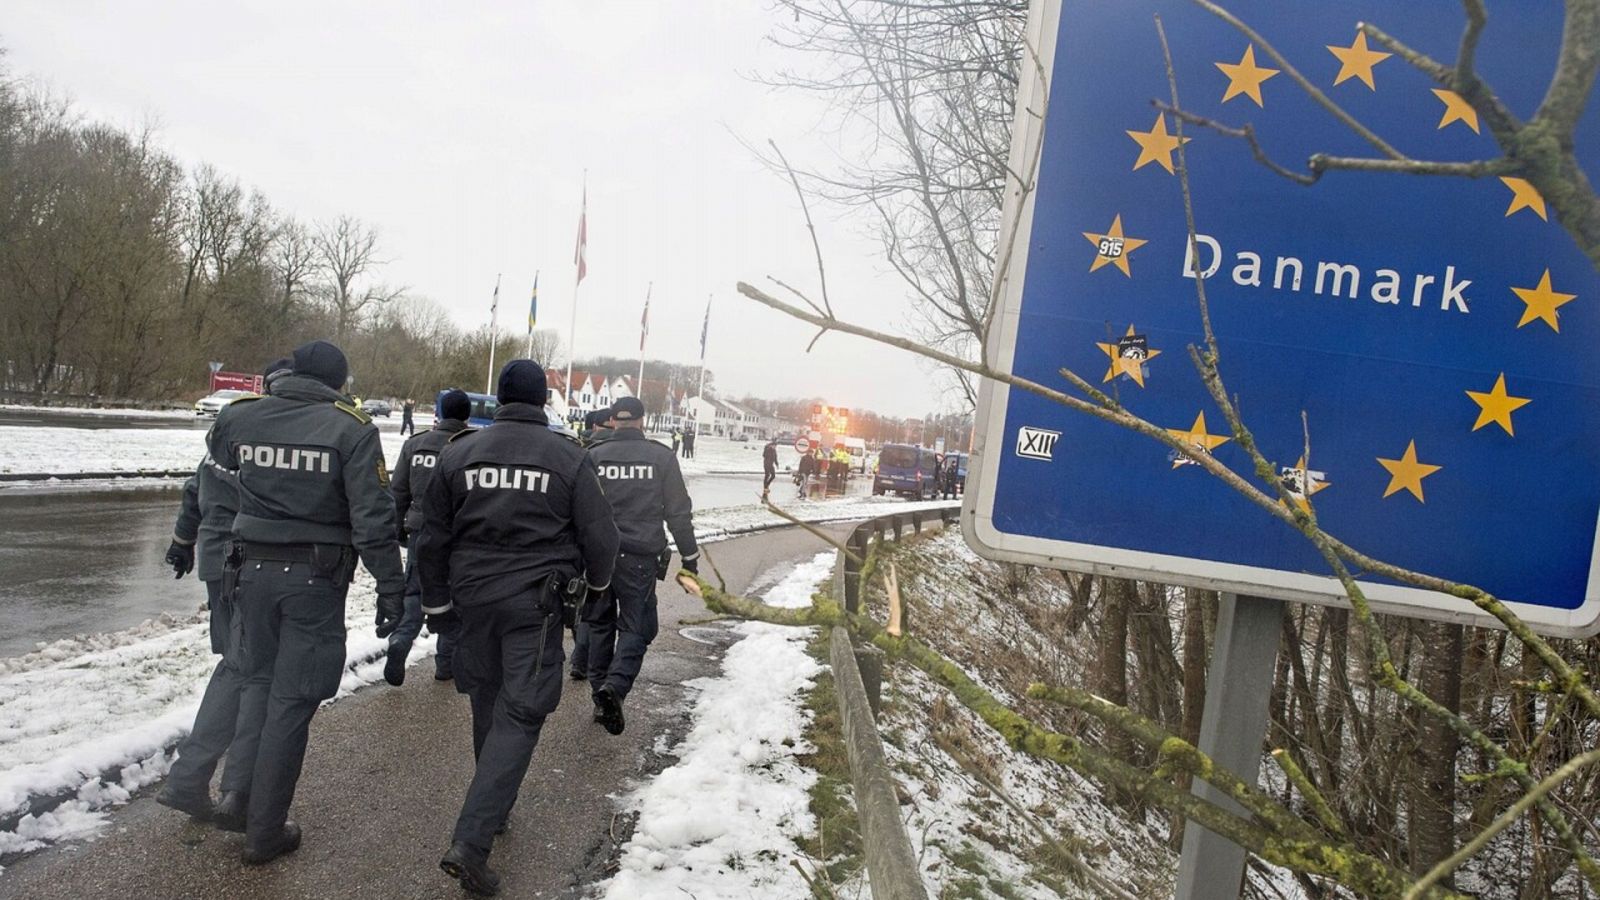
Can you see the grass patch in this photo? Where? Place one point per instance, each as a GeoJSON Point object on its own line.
{"type": "Point", "coordinates": [836, 846]}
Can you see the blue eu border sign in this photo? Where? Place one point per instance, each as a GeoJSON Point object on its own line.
{"type": "Point", "coordinates": [1441, 335]}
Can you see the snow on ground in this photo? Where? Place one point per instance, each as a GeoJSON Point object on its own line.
{"type": "Point", "coordinates": [97, 717]}
{"type": "Point", "coordinates": [732, 520]}
{"type": "Point", "coordinates": [987, 820]}
{"type": "Point", "coordinates": [722, 821]}
{"type": "Point", "coordinates": [66, 451]}
{"type": "Point", "coordinates": [121, 413]}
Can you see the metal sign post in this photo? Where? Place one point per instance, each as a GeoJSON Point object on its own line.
{"type": "Point", "coordinates": [1238, 690]}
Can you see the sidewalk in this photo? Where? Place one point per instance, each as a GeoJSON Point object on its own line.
{"type": "Point", "coordinates": [385, 776]}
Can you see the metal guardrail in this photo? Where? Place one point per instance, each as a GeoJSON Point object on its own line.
{"type": "Point", "coordinates": [892, 869]}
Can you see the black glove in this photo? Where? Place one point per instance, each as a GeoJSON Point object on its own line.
{"type": "Point", "coordinates": [692, 566]}
{"type": "Point", "coordinates": [443, 623]}
{"type": "Point", "coordinates": [391, 607]}
{"type": "Point", "coordinates": [401, 534]}
{"type": "Point", "coordinates": [181, 558]}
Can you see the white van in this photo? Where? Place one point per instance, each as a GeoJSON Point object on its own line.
{"type": "Point", "coordinates": [858, 453]}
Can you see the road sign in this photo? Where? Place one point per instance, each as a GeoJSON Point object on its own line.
{"type": "Point", "coordinates": [215, 366]}
{"type": "Point", "coordinates": [802, 445]}
{"type": "Point", "coordinates": [1437, 332]}
{"type": "Point", "coordinates": [236, 381]}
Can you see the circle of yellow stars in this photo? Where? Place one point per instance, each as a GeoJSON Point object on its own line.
{"type": "Point", "coordinates": [1357, 62]}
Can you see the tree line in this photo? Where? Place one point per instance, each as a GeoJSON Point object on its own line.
{"type": "Point", "coordinates": [123, 273]}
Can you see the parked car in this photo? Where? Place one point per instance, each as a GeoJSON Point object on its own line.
{"type": "Point", "coordinates": [858, 453]}
{"type": "Point", "coordinates": [377, 408]}
{"type": "Point", "coordinates": [210, 406]}
{"type": "Point", "coordinates": [908, 471]}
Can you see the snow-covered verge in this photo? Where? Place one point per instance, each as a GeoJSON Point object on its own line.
{"type": "Point", "coordinates": [724, 819]}
{"type": "Point", "coordinates": [985, 819]}
{"type": "Point", "coordinates": [68, 451]}
{"type": "Point", "coordinates": [89, 720]}
{"type": "Point", "coordinates": [129, 412]}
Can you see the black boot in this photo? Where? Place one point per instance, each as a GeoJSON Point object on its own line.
{"type": "Point", "coordinates": [470, 866]}
{"type": "Point", "coordinates": [609, 705]}
{"type": "Point", "coordinates": [197, 805]}
{"type": "Point", "coordinates": [287, 840]}
{"type": "Point", "coordinates": [394, 670]}
{"type": "Point", "coordinates": [230, 811]}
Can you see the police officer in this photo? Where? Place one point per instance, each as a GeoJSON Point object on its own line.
{"type": "Point", "coordinates": [205, 522]}
{"type": "Point", "coordinates": [597, 427]}
{"type": "Point", "coordinates": [514, 514]}
{"type": "Point", "coordinates": [313, 494]}
{"type": "Point", "coordinates": [418, 459]}
{"type": "Point", "coordinates": [645, 487]}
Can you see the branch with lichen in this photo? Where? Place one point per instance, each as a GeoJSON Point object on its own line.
{"type": "Point", "coordinates": [1272, 832]}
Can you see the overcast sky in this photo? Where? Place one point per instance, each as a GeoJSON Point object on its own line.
{"type": "Point", "coordinates": [463, 133]}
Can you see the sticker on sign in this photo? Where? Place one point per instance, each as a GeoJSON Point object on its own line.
{"type": "Point", "coordinates": [1429, 336]}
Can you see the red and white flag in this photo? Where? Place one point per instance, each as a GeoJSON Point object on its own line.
{"type": "Point", "coordinates": [579, 255]}
{"type": "Point", "coordinates": [644, 321]}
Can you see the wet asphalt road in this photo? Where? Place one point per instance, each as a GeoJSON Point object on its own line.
{"type": "Point", "coordinates": [386, 773]}
{"type": "Point", "coordinates": [51, 418]}
{"type": "Point", "coordinates": [83, 562]}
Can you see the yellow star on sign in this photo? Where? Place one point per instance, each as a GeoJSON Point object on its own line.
{"type": "Point", "coordinates": [1129, 364]}
{"type": "Point", "coordinates": [1543, 301]}
{"type": "Point", "coordinates": [1156, 145]}
{"type": "Point", "coordinates": [1245, 77]}
{"type": "Point", "coordinates": [1406, 473]}
{"type": "Point", "coordinates": [1356, 61]}
{"type": "Point", "coordinates": [1301, 483]}
{"type": "Point", "coordinates": [1497, 406]}
{"type": "Point", "coordinates": [1524, 196]}
{"type": "Point", "coordinates": [1456, 108]}
{"type": "Point", "coordinates": [1197, 437]}
{"type": "Point", "coordinates": [1112, 248]}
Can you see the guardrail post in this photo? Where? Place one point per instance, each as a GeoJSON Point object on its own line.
{"type": "Point", "coordinates": [916, 521]}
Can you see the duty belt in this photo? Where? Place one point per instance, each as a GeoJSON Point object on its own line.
{"type": "Point", "coordinates": [296, 553]}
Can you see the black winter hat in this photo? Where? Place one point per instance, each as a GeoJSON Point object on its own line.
{"type": "Point", "coordinates": [522, 381]}
{"type": "Point", "coordinates": [627, 409]}
{"type": "Point", "coordinates": [322, 361]}
{"type": "Point", "coordinates": [455, 404]}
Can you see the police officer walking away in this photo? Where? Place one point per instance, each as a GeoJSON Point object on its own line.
{"type": "Point", "coordinates": [205, 523]}
{"type": "Point", "coordinates": [769, 466]}
{"type": "Point", "coordinates": [313, 494]}
{"type": "Point", "coordinates": [408, 425]}
{"type": "Point", "coordinates": [597, 427]}
{"type": "Point", "coordinates": [412, 473]}
{"type": "Point", "coordinates": [513, 516]}
{"type": "Point", "coordinates": [645, 487]}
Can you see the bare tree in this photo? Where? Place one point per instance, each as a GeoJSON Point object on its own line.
{"type": "Point", "coordinates": [346, 252]}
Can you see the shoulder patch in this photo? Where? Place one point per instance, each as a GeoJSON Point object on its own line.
{"type": "Point", "coordinates": [360, 414]}
{"type": "Point", "coordinates": [461, 434]}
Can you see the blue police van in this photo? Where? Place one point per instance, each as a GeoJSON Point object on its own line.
{"type": "Point", "coordinates": [907, 470]}
{"type": "Point", "coordinates": [483, 407]}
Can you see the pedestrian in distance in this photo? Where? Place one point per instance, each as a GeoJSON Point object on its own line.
{"type": "Point", "coordinates": [677, 440]}
{"type": "Point", "coordinates": [804, 472]}
{"type": "Point", "coordinates": [769, 467]}
{"type": "Point", "coordinates": [313, 497]}
{"type": "Point", "coordinates": [645, 486]}
{"type": "Point", "coordinates": [516, 532]}
{"type": "Point", "coordinates": [408, 425]}
{"type": "Point", "coordinates": [412, 472]}
{"type": "Point", "coordinates": [201, 536]}
{"type": "Point", "coordinates": [688, 441]}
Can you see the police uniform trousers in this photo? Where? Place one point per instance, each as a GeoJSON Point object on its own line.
{"type": "Point", "coordinates": [290, 645]}
{"type": "Point", "coordinates": [508, 661]}
{"type": "Point", "coordinates": [411, 619]}
{"type": "Point", "coordinates": [218, 724]}
{"type": "Point", "coordinates": [621, 633]}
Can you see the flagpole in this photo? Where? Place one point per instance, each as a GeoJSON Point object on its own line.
{"type": "Point", "coordinates": [644, 332]}
{"type": "Point", "coordinates": [705, 327]}
{"type": "Point", "coordinates": [494, 307]}
{"type": "Point", "coordinates": [532, 314]}
{"type": "Point", "coordinates": [583, 239]}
